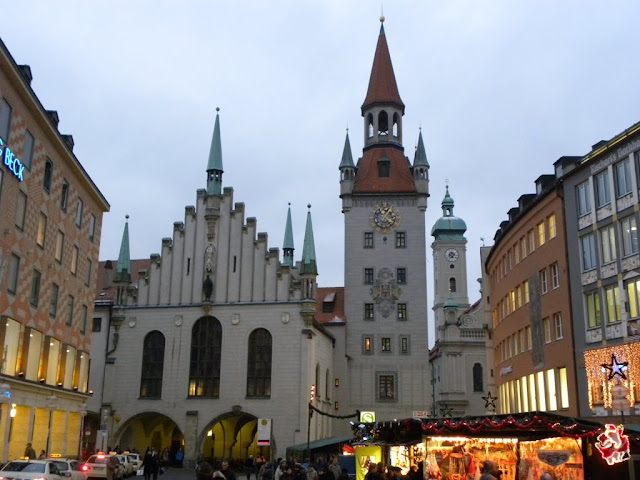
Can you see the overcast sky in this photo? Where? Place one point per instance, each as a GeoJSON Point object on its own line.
{"type": "Point", "coordinates": [501, 90]}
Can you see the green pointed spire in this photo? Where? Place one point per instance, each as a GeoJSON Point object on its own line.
{"type": "Point", "coordinates": [309, 248]}
{"type": "Point", "coordinates": [214, 167]}
{"type": "Point", "coordinates": [287, 246]}
{"type": "Point", "coordinates": [420, 158]}
{"type": "Point", "coordinates": [123, 269]}
{"type": "Point", "coordinates": [347, 158]}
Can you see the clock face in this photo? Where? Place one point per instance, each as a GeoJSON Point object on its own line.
{"type": "Point", "coordinates": [451, 254]}
{"type": "Point", "coordinates": [385, 217]}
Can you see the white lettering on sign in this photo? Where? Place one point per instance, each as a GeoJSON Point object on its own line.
{"type": "Point", "coordinates": [14, 165]}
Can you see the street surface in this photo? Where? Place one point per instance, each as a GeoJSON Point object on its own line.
{"type": "Point", "coordinates": [184, 474]}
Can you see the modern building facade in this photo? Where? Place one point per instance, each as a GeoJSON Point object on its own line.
{"type": "Point", "coordinates": [601, 207]}
{"type": "Point", "coordinates": [50, 235]}
{"type": "Point", "coordinates": [529, 302]}
{"type": "Point", "coordinates": [459, 357]}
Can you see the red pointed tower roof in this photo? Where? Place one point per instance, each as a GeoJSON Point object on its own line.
{"type": "Point", "coordinates": [382, 83]}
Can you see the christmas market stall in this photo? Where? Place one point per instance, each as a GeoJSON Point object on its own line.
{"type": "Point", "coordinates": [522, 446]}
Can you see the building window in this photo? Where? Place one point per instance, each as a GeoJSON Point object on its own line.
{"type": "Point", "coordinates": [92, 227]}
{"type": "Point", "coordinates": [27, 150]}
{"type": "Point", "coordinates": [386, 344]}
{"type": "Point", "coordinates": [477, 378]}
{"type": "Point", "coordinates": [368, 276]}
{"type": "Point", "coordinates": [366, 345]}
{"type": "Point", "coordinates": [152, 365]}
{"type": "Point", "coordinates": [21, 209]}
{"type": "Point", "coordinates": [518, 296]}
{"type": "Point", "coordinates": [623, 178]}
{"type": "Point", "coordinates": [259, 364]}
{"type": "Point", "coordinates": [64, 195]}
{"type": "Point", "coordinates": [386, 387]}
{"type": "Point", "coordinates": [608, 239]}
{"type": "Point", "coordinates": [74, 259]}
{"type": "Point", "coordinates": [544, 287]}
{"type": "Point", "coordinates": [69, 319]}
{"type": "Point", "coordinates": [541, 233]}
{"type": "Point", "coordinates": [552, 225]}
{"type": "Point", "coordinates": [204, 365]}
{"type": "Point", "coordinates": [525, 284]}
{"type": "Point", "coordinates": [401, 276]}
{"type": "Point", "coordinates": [612, 295]}
{"type": "Point", "coordinates": [588, 252]}
{"type": "Point", "coordinates": [555, 276]}
{"type": "Point", "coordinates": [368, 311]}
{"type": "Point", "coordinates": [404, 344]}
{"type": "Point", "coordinates": [402, 311]}
{"type": "Point", "coordinates": [564, 388]}
{"type": "Point", "coordinates": [516, 252]}
{"type": "Point", "coordinates": [35, 288]}
{"type": "Point", "coordinates": [629, 236]}
{"type": "Point", "coordinates": [42, 230]}
{"type": "Point", "coordinates": [583, 199]}
{"type": "Point", "coordinates": [368, 239]}
{"type": "Point", "coordinates": [532, 241]}
{"type": "Point", "coordinates": [5, 120]}
{"type": "Point", "coordinates": [633, 296]}
{"type": "Point", "coordinates": [59, 246]}
{"type": "Point", "coordinates": [603, 191]}
{"type": "Point", "coordinates": [401, 239]}
{"type": "Point", "coordinates": [546, 324]}
{"type": "Point", "coordinates": [557, 321]}
{"type": "Point", "coordinates": [527, 331]}
{"type": "Point", "coordinates": [383, 168]}
{"type": "Point", "coordinates": [14, 269]}
{"type": "Point", "coordinates": [48, 175]}
{"type": "Point", "coordinates": [87, 277]}
{"type": "Point", "coordinates": [83, 321]}
{"type": "Point", "coordinates": [523, 340]}
{"type": "Point", "coordinates": [452, 285]}
{"type": "Point", "coordinates": [53, 305]}
{"type": "Point", "coordinates": [97, 324]}
{"type": "Point", "coordinates": [594, 314]}
{"type": "Point", "coordinates": [523, 247]}
{"type": "Point", "coordinates": [79, 209]}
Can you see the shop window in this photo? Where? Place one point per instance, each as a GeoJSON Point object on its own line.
{"type": "Point", "coordinates": [83, 376]}
{"type": "Point", "coordinates": [542, 400]}
{"type": "Point", "coordinates": [564, 388]}
{"type": "Point", "coordinates": [33, 355]}
{"type": "Point", "coordinates": [69, 367]}
{"type": "Point", "coordinates": [551, 390]}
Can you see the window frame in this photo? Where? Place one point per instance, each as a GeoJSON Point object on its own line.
{"type": "Point", "coordinates": [368, 276]}
{"type": "Point", "coordinates": [555, 276]}
{"type": "Point", "coordinates": [369, 311]}
{"type": "Point", "coordinates": [544, 282]}
{"type": "Point", "coordinates": [5, 131]}
{"type": "Point", "coordinates": [608, 244]}
{"type": "Point", "coordinates": [14, 273]}
{"type": "Point", "coordinates": [386, 381]}
{"type": "Point", "coordinates": [629, 240]}
{"type": "Point", "coordinates": [588, 257]}
{"type": "Point", "coordinates": [34, 295]}
{"type": "Point", "coordinates": [260, 364]}
{"type": "Point", "coordinates": [557, 322]}
{"type": "Point", "coordinates": [79, 212]}
{"type": "Point", "coordinates": [401, 239]}
{"type": "Point", "coordinates": [403, 313]}
{"type": "Point", "coordinates": [612, 300]}
{"type": "Point", "coordinates": [152, 365]}
{"type": "Point", "coordinates": [53, 301]}
{"type": "Point", "coordinates": [368, 240]}
{"type": "Point", "coordinates": [603, 189]}
{"type": "Point", "coordinates": [21, 210]}
{"type": "Point", "coordinates": [401, 275]}
{"type": "Point", "coordinates": [41, 234]}
{"type": "Point", "coordinates": [583, 199]}
{"type": "Point", "coordinates": [593, 309]}
{"type": "Point", "coordinates": [623, 182]}
{"type": "Point", "coordinates": [28, 149]}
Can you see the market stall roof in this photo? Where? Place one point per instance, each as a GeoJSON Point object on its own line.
{"type": "Point", "coordinates": [524, 426]}
{"type": "Point", "coordinates": [321, 443]}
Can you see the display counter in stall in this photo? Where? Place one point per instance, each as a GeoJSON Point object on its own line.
{"type": "Point", "coordinates": [522, 447]}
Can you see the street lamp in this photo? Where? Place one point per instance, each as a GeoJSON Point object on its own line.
{"type": "Point", "coordinates": [52, 403]}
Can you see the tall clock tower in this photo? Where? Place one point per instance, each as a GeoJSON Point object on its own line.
{"type": "Point", "coordinates": [384, 200]}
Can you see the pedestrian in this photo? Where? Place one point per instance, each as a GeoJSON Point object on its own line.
{"type": "Point", "coordinates": [334, 467]}
{"type": "Point", "coordinates": [250, 468]}
{"type": "Point", "coordinates": [312, 473]}
{"type": "Point", "coordinates": [29, 452]}
{"type": "Point", "coordinates": [488, 469]}
{"type": "Point", "coordinates": [280, 470]}
{"type": "Point", "coordinates": [205, 471]}
{"type": "Point", "coordinates": [179, 457]}
{"type": "Point", "coordinates": [226, 471]}
{"type": "Point", "coordinates": [42, 455]}
{"type": "Point", "coordinates": [373, 473]}
{"type": "Point", "coordinates": [151, 464]}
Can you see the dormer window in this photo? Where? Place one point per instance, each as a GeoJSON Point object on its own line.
{"type": "Point", "coordinates": [383, 167]}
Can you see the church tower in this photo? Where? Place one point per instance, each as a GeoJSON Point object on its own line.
{"type": "Point", "coordinates": [458, 358]}
{"type": "Point", "coordinates": [384, 200]}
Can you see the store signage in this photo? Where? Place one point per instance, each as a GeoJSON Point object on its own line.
{"type": "Point", "coordinates": [555, 458]}
{"type": "Point", "coordinates": [420, 414]}
{"type": "Point", "coordinates": [506, 370]}
{"type": "Point", "coordinates": [367, 417]}
{"type": "Point", "coordinates": [264, 432]}
{"type": "Point", "coordinates": [12, 162]}
{"type": "Point", "coordinates": [613, 444]}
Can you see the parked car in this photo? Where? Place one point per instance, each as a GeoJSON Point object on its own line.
{"type": "Point", "coordinates": [30, 470]}
{"type": "Point", "coordinates": [129, 467]}
{"type": "Point", "coordinates": [136, 459]}
{"type": "Point", "coordinates": [96, 466]}
{"type": "Point", "coordinates": [69, 468]}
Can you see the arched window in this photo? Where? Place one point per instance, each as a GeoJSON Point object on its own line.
{"type": "Point", "coordinates": [152, 365]}
{"type": "Point", "coordinates": [327, 382]}
{"type": "Point", "coordinates": [204, 367]}
{"type": "Point", "coordinates": [395, 124]}
{"type": "Point", "coordinates": [259, 364]}
{"type": "Point", "coordinates": [383, 123]}
{"type": "Point", "coordinates": [477, 378]}
{"type": "Point", "coordinates": [452, 284]}
{"type": "Point", "coordinates": [370, 126]}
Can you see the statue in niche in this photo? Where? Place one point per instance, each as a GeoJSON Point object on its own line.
{"type": "Point", "coordinates": [209, 254]}
{"type": "Point", "coordinates": [207, 288]}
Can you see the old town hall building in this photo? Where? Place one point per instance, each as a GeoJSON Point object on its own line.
{"type": "Point", "coordinates": [218, 343]}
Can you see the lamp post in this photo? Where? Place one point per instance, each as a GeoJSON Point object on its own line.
{"type": "Point", "coordinates": [52, 403]}
{"type": "Point", "coordinates": [83, 413]}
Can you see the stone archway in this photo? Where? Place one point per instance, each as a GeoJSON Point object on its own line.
{"type": "Point", "coordinates": [150, 429]}
{"type": "Point", "coordinates": [232, 436]}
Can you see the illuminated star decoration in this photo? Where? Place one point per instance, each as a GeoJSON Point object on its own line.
{"type": "Point", "coordinates": [490, 401]}
{"type": "Point", "coordinates": [615, 368]}
{"type": "Point", "coordinates": [445, 411]}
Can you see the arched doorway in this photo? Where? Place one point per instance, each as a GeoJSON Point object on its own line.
{"type": "Point", "coordinates": [150, 429]}
{"type": "Point", "coordinates": [232, 436]}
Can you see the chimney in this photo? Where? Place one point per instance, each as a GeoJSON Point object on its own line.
{"type": "Point", "coordinates": [25, 70]}
{"type": "Point", "coordinates": [53, 116]}
{"type": "Point", "coordinates": [68, 139]}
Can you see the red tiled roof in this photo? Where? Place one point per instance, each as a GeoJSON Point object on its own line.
{"type": "Point", "coordinates": [382, 83]}
{"type": "Point", "coordinates": [105, 277]}
{"type": "Point", "coordinates": [399, 180]}
{"type": "Point", "coordinates": [335, 293]}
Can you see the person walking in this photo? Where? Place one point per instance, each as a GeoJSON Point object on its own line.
{"type": "Point", "coordinates": [226, 471]}
{"type": "Point", "coordinates": [29, 452]}
{"type": "Point", "coordinates": [334, 467]}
